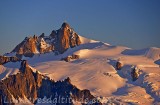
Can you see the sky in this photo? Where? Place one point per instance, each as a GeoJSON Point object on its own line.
{"type": "Point", "coordinates": [131, 23]}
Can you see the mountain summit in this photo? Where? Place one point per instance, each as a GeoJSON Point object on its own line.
{"type": "Point", "coordinates": [59, 41]}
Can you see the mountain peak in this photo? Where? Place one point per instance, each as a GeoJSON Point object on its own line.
{"type": "Point", "coordinates": [59, 40]}
{"type": "Point", "coordinates": [65, 24]}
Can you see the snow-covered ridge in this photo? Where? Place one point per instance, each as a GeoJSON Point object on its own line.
{"type": "Point", "coordinates": [153, 53]}
{"type": "Point", "coordinates": [86, 40]}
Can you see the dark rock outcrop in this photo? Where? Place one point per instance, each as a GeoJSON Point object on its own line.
{"type": "Point", "coordinates": [134, 73]}
{"type": "Point", "coordinates": [53, 34]}
{"type": "Point", "coordinates": [119, 65]}
{"type": "Point", "coordinates": [42, 35]}
{"type": "Point", "coordinates": [72, 57]}
{"type": "Point", "coordinates": [5, 59]}
{"type": "Point", "coordinates": [37, 87]}
{"type": "Point", "coordinates": [67, 59]}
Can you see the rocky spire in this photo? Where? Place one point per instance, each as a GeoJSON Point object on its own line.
{"type": "Point", "coordinates": [65, 25]}
{"type": "Point", "coordinates": [24, 65]}
{"type": "Point", "coordinates": [42, 35]}
{"type": "Point", "coordinates": [63, 38]}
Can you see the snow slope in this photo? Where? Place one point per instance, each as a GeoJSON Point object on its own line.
{"type": "Point", "coordinates": [6, 71]}
{"type": "Point", "coordinates": [95, 70]}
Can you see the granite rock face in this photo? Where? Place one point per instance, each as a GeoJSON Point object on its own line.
{"type": "Point", "coordinates": [59, 40]}
{"type": "Point", "coordinates": [63, 38]}
{"type": "Point", "coordinates": [27, 47]}
{"type": "Point", "coordinates": [34, 87]}
{"type": "Point", "coordinates": [67, 38]}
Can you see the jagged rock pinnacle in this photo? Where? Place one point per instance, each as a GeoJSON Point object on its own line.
{"type": "Point", "coordinates": [24, 65]}
{"type": "Point", "coordinates": [64, 25]}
